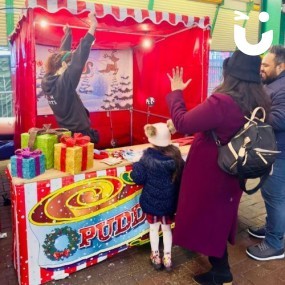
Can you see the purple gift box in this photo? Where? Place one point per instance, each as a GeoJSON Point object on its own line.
{"type": "Point", "coordinates": [27, 164]}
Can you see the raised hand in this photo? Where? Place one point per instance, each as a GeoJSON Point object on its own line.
{"type": "Point", "coordinates": [66, 28]}
{"type": "Point", "coordinates": [176, 80]}
{"type": "Point", "coordinates": [93, 20]}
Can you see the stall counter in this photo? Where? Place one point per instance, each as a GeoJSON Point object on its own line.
{"type": "Point", "coordinates": [63, 223]}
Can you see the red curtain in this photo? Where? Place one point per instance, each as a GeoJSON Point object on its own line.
{"type": "Point", "coordinates": [188, 49]}
{"type": "Point", "coordinates": [23, 77]}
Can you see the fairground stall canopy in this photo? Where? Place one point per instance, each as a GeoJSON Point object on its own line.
{"type": "Point", "coordinates": [127, 68]}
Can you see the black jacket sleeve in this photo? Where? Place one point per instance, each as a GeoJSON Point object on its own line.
{"type": "Point", "coordinates": [66, 41]}
{"type": "Point", "coordinates": [138, 174]}
{"type": "Point", "coordinates": [78, 60]}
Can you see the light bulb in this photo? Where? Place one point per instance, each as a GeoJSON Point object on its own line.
{"type": "Point", "coordinates": [147, 43]}
{"type": "Point", "coordinates": [43, 23]}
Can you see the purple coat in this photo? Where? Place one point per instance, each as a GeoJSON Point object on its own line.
{"type": "Point", "coordinates": [209, 197]}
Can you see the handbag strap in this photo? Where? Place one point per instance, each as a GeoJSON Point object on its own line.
{"type": "Point", "coordinates": [253, 115]}
{"type": "Point", "coordinates": [217, 141]}
{"type": "Point", "coordinates": [242, 185]}
{"type": "Point", "coordinates": [242, 180]}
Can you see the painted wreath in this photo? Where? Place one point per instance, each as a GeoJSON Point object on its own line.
{"type": "Point", "coordinates": [49, 244]}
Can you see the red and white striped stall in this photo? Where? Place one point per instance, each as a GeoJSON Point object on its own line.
{"type": "Point", "coordinates": [64, 223]}
{"type": "Point", "coordinates": [177, 40]}
{"type": "Point", "coordinates": [55, 230]}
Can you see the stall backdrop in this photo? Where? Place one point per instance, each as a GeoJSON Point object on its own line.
{"type": "Point", "coordinates": [124, 73]}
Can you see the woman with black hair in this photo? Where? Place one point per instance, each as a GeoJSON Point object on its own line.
{"type": "Point", "coordinates": [208, 202]}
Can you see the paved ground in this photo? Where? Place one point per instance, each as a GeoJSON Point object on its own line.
{"type": "Point", "coordinates": [132, 267]}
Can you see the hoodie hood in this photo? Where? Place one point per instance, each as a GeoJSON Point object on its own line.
{"type": "Point", "coordinates": [49, 84]}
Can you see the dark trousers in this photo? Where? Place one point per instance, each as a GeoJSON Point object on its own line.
{"type": "Point", "coordinates": [220, 264]}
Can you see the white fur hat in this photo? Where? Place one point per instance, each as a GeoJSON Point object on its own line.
{"type": "Point", "coordinates": [158, 134]}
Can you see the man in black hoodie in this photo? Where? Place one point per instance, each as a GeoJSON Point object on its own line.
{"type": "Point", "coordinates": [63, 72]}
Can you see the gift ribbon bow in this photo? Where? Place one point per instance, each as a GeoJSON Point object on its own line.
{"type": "Point", "coordinates": [27, 153]}
{"type": "Point", "coordinates": [77, 139]}
{"type": "Point", "coordinates": [46, 129]}
{"type": "Point", "coordinates": [58, 254]}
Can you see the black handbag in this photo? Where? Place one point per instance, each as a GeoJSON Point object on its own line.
{"type": "Point", "coordinates": [251, 152]}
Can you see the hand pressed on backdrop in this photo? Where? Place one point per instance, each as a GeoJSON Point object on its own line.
{"type": "Point", "coordinates": [176, 80]}
{"type": "Point", "coordinates": [92, 19]}
{"type": "Point", "coordinates": [66, 28]}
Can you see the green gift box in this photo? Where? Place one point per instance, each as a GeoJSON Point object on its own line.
{"type": "Point", "coordinates": [45, 143]}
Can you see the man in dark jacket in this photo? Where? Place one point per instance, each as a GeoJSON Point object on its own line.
{"type": "Point", "coordinates": [63, 72]}
{"type": "Point", "coordinates": [273, 191]}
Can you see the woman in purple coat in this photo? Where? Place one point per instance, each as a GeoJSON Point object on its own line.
{"type": "Point", "coordinates": [208, 203]}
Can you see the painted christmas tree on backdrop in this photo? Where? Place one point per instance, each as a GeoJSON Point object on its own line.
{"type": "Point", "coordinates": [125, 97]}
{"type": "Point", "coordinates": [110, 97]}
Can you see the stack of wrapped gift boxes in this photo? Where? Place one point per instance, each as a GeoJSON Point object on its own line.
{"type": "Point", "coordinates": [48, 148]}
{"type": "Point", "coordinates": [43, 139]}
